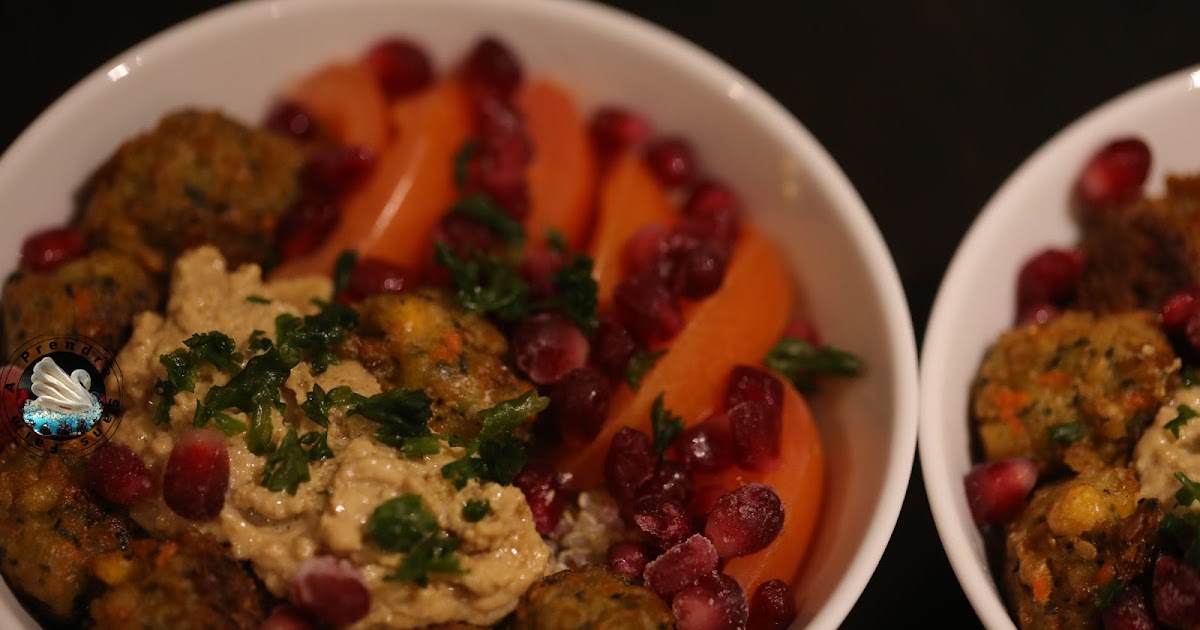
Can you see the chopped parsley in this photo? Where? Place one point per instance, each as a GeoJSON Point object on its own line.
{"type": "Point", "coordinates": [287, 467]}
{"type": "Point", "coordinates": [664, 425]}
{"type": "Point", "coordinates": [481, 209]}
{"type": "Point", "coordinates": [576, 293]}
{"type": "Point", "coordinates": [253, 390]}
{"type": "Point", "coordinates": [496, 454]}
{"type": "Point", "coordinates": [257, 299]}
{"type": "Point", "coordinates": [1183, 414]}
{"type": "Point", "coordinates": [1183, 526]}
{"type": "Point", "coordinates": [402, 414]}
{"type": "Point", "coordinates": [403, 525]}
{"type": "Point", "coordinates": [800, 362]}
{"type": "Point", "coordinates": [462, 163]}
{"type": "Point", "coordinates": [1189, 492]}
{"type": "Point", "coordinates": [314, 336]}
{"type": "Point", "coordinates": [258, 341]}
{"type": "Point", "coordinates": [1188, 377]}
{"type": "Point", "coordinates": [475, 510]}
{"type": "Point", "coordinates": [182, 367]}
{"type": "Point", "coordinates": [227, 424]}
{"type": "Point", "coordinates": [318, 402]}
{"type": "Point", "coordinates": [1066, 433]}
{"type": "Point", "coordinates": [556, 240]}
{"type": "Point", "coordinates": [485, 285]}
{"type": "Point", "coordinates": [640, 364]}
{"type": "Point", "coordinates": [318, 445]}
{"type": "Point", "coordinates": [435, 554]}
{"type": "Point", "coordinates": [343, 269]}
{"type": "Point", "coordinates": [1104, 594]}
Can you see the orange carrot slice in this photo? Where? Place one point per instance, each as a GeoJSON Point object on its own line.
{"type": "Point", "coordinates": [393, 214]}
{"type": "Point", "coordinates": [630, 198]}
{"type": "Point", "coordinates": [737, 324]}
{"type": "Point", "coordinates": [348, 103]}
{"type": "Point", "coordinates": [562, 176]}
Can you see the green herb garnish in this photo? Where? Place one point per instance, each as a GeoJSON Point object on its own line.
{"type": "Point", "coordinates": [481, 209]}
{"type": "Point", "coordinates": [1183, 414]}
{"type": "Point", "coordinates": [432, 555]}
{"type": "Point", "coordinates": [1189, 493]}
{"type": "Point", "coordinates": [798, 361]}
{"type": "Point", "coordinates": [1184, 528]}
{"type": "Point", "coordinates": [1188, 377]}
{"type": "Point", "coordinates": [475, 510]}
{"type": "Point", "coordinates": [314, 336]}
{"type": "Point", "coordinates": [640, 363]}
{"type": "Point", "coordinates": [665, 425]}
{"type": "Point", "coordinates": [1066, 433]}
{"type": "Point", "coordinates": [1104, 594]}
{"type": "Point", "coordinates": [496, 454]}
{"type": "Point", "coordinates": [556, 240]}
{"type": "Point", "coordinates": [227, 424]}
{"type": "Point", "coordinates": [182, 367]}
{"type": "Point", "coordinates": [485, 285]}
{"type": "Point", "coordinates": [403, 525]}
{"type": "Point", "coordinates": [253, 390]}
{"type": "Point", "coordinates": [257, 299]}
{"type": "Point", "coordinates": [576, 293]}
{"type": "Point", "coordinates": [318, 402]}
{"type": "Point", "coordinates": [287, 467]}
{"type": "Point", "coordinates": [318, 445]}
{"type": "Point", "coordinates": [258, 341]}
{"type": "Point", "coordinates": [462, 162]}
{"type": "Point", "coordinates": [343, 268]}
{"type": "Point", "coordinates": [401, 414]}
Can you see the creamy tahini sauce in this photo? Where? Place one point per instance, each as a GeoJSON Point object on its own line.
{"type": "Point", "coordinates": [1159, 454]}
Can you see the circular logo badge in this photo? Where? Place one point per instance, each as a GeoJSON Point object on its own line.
{"type": "Point", "coordinates": [61, 394]}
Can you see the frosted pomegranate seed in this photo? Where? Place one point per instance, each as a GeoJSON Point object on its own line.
{"type": "Point", "coordinates": [704, 499]}
{"type": "Point", "coordinates": [1039, 314]}
{"type": "Point", "coordinates": [1178, 309]}
{"type": "Point", "coordinates": [196, 477]}
{"type": "Point", "coordinates": [612, 347]}
{"type": "Point", "coordinates": [284, 617]}
{"type": "Point", "coordinates": [48, 249]}
{"type": "Point", "coordinates": [538, 269]}
{"type": "Point", "coordinates": [996, 491]}
{"type": "Point", "coordinates": [629, 559]}
{"type": "Point", "coordinates": [671, 480]}
{"type": "Point", "coordinates": [701, 271]}
{"type": "Point", "coordinates": [547, 346]}
{"type": "Point", "coordinates": [644, 249]}
{"type": "Point", "coordinates": [773, 606]}
{"type": "Point", "coordinates": [1128, 611]}
{"type": "Point", "coordinates": [492, 69]}
{"type": "Point", "coordinates": [714, 602]}
{"type": "Point", "coordinates": [333, 171]}
{"type": "Point", "coordinates": [750, 384]}
{"type": "Point", "coordinates": [372, 276]}
{"type": "Point", "coordinates": [615, 129]}
{"type": "Point", "coordinates": [330, 589]}
{"type": "Point", "coordinates": [745, 520]}
{"type": "Point", "coordinates": [464, 235]}
{"type": "Point", "coordinates": [118, 474]}
{"type": "Point", "coordinates": [707, 447]}
{"type": "Point", "coordinates": [1114, 175]}
{"type": "Point", "coordinates": [1050, 277]}
{"type": "Point", "coordinates": [546, 495]}
{"type": "Point", "coordinates": [289, 118]}
{"type": "Point", "coordinates": [1176, 593]}
{"type": "Point", "coordinates": [647, 308]}
{"type": "Point", "coordinates": [756, 429]}
{"type": "Point", "coordinates": [681, 566]}
{"type": "Point", "coordinates": [400, 66]}
{"type": "Point", "coordinates": [305, 226]}
{"type": "Point", "coordinates": [712, 212]}
{"type": "Point", "coordinates": [630, 462]}
{"type": "Point", "coordinates": [579, 405]}
{"type": "Point", "coordinates": [672, 161]}
{"type": "Point", "coordinates": [663, 519]}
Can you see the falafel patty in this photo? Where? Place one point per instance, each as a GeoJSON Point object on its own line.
{"type": "Point", "coordinates": [591, 597]}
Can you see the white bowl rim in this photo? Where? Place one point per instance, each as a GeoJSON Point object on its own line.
{"type": "Point", "coordinates": [942, 488]}
{"type": "Point", "coordinates": [714, 71]}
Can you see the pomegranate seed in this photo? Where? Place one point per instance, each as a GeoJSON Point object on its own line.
{"type": "Point", "coordinates": [756, 429]}
{"type": "Point", "coordinates": [546, 495]}
{"type": "Point", "coordinates": [305, 226]}
{"type": "Point", "coordinates": [492, 69]}
{"type": "Point", "coordinates": [1176, 593]}
{"type": "Point", "coordinates": [538, 269]}
{"type": "Point", "coordinates": [330, 589]}
{"type": "Point", "coordinates": [372, 276]}
{"type": "Point", "coordinates": [662, 519]}
{"type": "Point", "coordinates": [118, 474]}
{"type": "Point", "coordinates": [197, 475]}
{"type": "Point", "coordinates": [631, 461]}
{"type": "Point", "coordinates": [612, 347]}
{"type": "Point", "coordinates": [1178, 309]}
{"type": "Point", "coordinates": [400, 66]}
{"type": "Point", "coordinates": [46, 250]}
{"type": "Point", "coordinates": [1128, 611]}
{"type": "Point", "coordinates": [714, 602]}
{"type": "Point", "coordinates": [681, 566]}
{"type": "Point", "coordinates": [284, 617]}
{"type": "Point", "coordinates": [629, 559]}
{"type": "Point", "coordinates": [1039, 314]}
{"type": "Point", "coordinates": [996, 490]}
{"type": "Point", "coordinates": [749, 384]}
{"type": "Point", "coordinates": [745, 520]}
{"type": "Point", "coordinates": [705, 498]}
{"type": "Point", "coordinates": [646, 306]}
{"type": "Point", "coordinates": [547, 346]}
{"type": "Point", "coordinates": [644, 249]}
{"type": "Point", "coordinates": [712, 212]}
{"type": "Point", "coordinates": [1192, 330]}
{"type": "Point", "coordinates": [289, 118]}
{"type": "Point", "coordinates": [333, 171]}
{"type": "Point", "coordinates": [705, 447]}
{"type": "Point", "coordinates": [672, 161]}
{"type": "Point", "coordinates": [615, 129]}
{"type": "Point", "coordinates": [804, 330]}
{"type": "Point", "coordinates": [670, 480]}
{"type": "Point", "coordinates": [1050, 277]}
{"type": "Point", "coordinates": [701, 271]}
{"type": "Point", "coordinates": [465, 236]}
{"type": "Point", "coordinates": [773, 606]}
{"type": "Point", "coordinates": [579, 405]}
{"type": "Point", "coordinates": [1114, 175]}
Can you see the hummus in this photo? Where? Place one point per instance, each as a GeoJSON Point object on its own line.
{"type": "Point", "coordinates": [1159, 454]}
{"type": "Point", "coordinates": [501, 555]}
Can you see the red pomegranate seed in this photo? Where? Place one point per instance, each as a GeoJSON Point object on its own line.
{"type": "Point", "coordinates": [579, 405]}
{"type": "Point", "coordinates": [196, 477]}
{"type": "Point", "coordinates": [647, 308]}
{"type": "Point", "coordinates": [644, 249]}
{"type": "Point", "coordinates": [1039, 314]}
{"type": "Point", "coordinates": [707, 447]}
{"type": "Point", "coordinates": [628, 559]}
{"type": "Point", "coordinates": [284, 617]}
{"type": "Point", "coordinates": [745, 520]}
{"type": "Point", "coordinates": [1050, 277]}
{"type": "Point", "coordinates": [400, 66]}
{"type": "Point", "coordinates": [701, 271]}
{"type": "Point", "coordinates": [289, 118]}
{"type": "Point", "coordinates": [464, 235]}
{"type": "Point", "coordinates": [612, 347]}
{"type": "Point", "coordinates": [1114, 175]}
{"type": "Point", "coordinates": [756, 429]}
{"type": "Point", "coordinates": [630, 462]}
{"type": "Point", "coordinates": [714, 602]}
{"type": "Point", "coordinates": [996, 490]}
{"type": "Point", "coordinates": [538, 269]}
{"type": "Point", "coordinates": [615, 129]}
{"type": "Point", "coordinates": [546, 495]}
{"type": "Point", "coordinates": [372, 276]}
{"type": "Point", "coordinates": [681, 566]}
{"type": "Point", "coordinates": [1128, 611]}
{"type": "Point", "coordinates": [704, 499]}
{"type": "Point", "coordinates": [118, 474]}
{"type": "Point", "coordinates": [672, 161]}
{"type": "Point", "coordinates": [330, 589]}
{"type": "Point", "coordinates": [773, 606]}
{"type": "Point", "coordinates": [492, 69]}
{"type": "Point", "coordinates": [333, 171]}
{"type": "Point", "coordinates": [804, 330]}
{"type": "Point", "coordinates": [670, 480]}
{"type": "Point", "coordinates": [46, 250]}
{"type": "Point", "coordinates": [1191, 331]}
{"type": "Point", "coordinates": [712, 212]}
{"type": "Point", "coordinates": [305, 226]}
{"type": "Point", "coordinates": [1178, 309]}
{"type": "Point", "coordinates": [664, 520]}
{"type": "Point", "coordinates": [547, 346]}
{"type": "Point", "coordinates": [1176, 593]}
{"type": "Point", "coordinates": [749, 384]}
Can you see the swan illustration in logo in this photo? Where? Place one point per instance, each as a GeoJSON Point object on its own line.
{"type": "Point", "coordinates": [64, 404]}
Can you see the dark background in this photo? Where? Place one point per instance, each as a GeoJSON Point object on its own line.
{"type": "Point", "coordinates": [927, 106]}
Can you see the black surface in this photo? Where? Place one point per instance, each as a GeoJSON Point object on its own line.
{"type": "Point", "coordinates": [927, 106]}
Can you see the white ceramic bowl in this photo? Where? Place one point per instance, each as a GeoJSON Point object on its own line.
{"type": "Point", "coordinates": [237, 57]}
{"type": "Point", "coordinates": [977, 298]}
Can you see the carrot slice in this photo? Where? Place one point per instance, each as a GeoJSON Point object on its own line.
{"type": "Point", "coordinates": [630, 198]}
{"type": "Point", "coordinates": [392, 215]}
{"type": "Point", "coordinates": [348, 103]}
{"type": "Point", "coordinates": [562, 176]}
{"type": "Point", "coordinates": [800, 484]}
{"type": "Point", "coordinates": [737, 324]}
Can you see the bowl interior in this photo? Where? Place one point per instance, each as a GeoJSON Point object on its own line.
{"type": "Point", "coordinates": [237, 58]}
{"type": "Point", "coordinates": [977, 299]}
